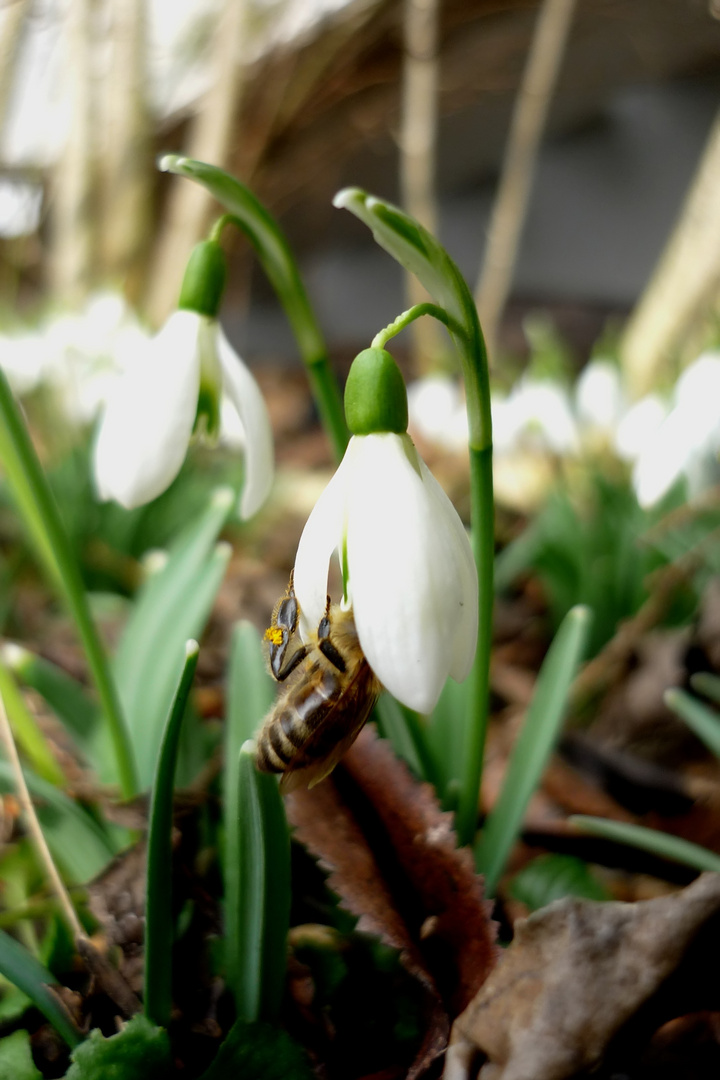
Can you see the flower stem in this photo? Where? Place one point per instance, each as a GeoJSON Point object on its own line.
{"type": "Point", "coordinates": [42, 519]}
{"type": "Point", "coordinates": [381, 339]}
{"type": "Point", "coordinates": [249, 215]}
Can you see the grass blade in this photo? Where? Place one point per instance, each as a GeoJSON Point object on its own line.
{"type": "Point", "coordinates": [704, 682]}
{"type": "Point", "coordinates": [42, 519]}
{"type": "Point", "coordinates": [263, 909]}
{"type": "Point", "coordinates": [702, 721]}
{"type": "Point", "coordinates": [251, 692]}
{"type": "Point", "coordinates": [76, 841]}
{"type": "Point", "coordinates": [158, 914]}
{"type": "Point", "coordinates": [29, 975]}
{"type": "Point", "coordinates": [403, 730]}
{"type": "Point", "coordinates": [534, 745]}
{"type": "Point", "coordinates": [171, 608]}
{"type": "Point", "coordinates": [26, 732]}
{"type": "Point", "coordinates": [659, 843]}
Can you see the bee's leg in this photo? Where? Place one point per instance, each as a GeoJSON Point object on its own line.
{"type": "Point", "coordinates": [325, 645]}
{"type": "Point", "coordinates": [280, 634]}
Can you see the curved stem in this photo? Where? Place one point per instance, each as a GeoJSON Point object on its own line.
{"type": "Point", "coordinates": [249, 215]}
{"type": "Point", "coordinates": [383, 336]}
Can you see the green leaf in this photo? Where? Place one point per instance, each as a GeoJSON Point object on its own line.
{"type": "Point", "coordinates": [29, 975]}
{"type": "Point", "coordinates": [158, 914]}
{"type": "Point", "coordinates": [76, 841]}
{"type": "Point", "coordinates": [550, 877]}
{"type": "Point", "coordinates": [703, 682]}
{"type": "Point", "coordinates": [259, 1052]}
{"type": "Point", "coordinates": [16, 1061]}
{"type": "Point", "coordinates": [43, 522]}
{"type": "Point", "coordinates": [699, 718]}
{"type": "Point", "coordinates": [140, 1051]}
{"type": "Point", "coordinates": [251, 692]}
{"type": "Point", "coordinates": [659, 843]}
{"type": "Point", "coordinates": [171, 608]}
{"type": "Point", "coordinates": [257, 928]}
{"type": "Point", "coordinates": [403, 730]}
{"type": "Point", "coordinates": [26, 732]}
{"type": "Point", "coordinates": [67, 698]}
{"type": "Point", "coordinates": [534, 745]}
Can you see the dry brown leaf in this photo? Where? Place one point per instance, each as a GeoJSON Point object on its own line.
{"type": "Point", "coordinates": [393, 860]}
{"type": "Point", "coordinates": [576, 972]}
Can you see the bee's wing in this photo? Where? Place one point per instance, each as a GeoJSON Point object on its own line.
{"type": "Point", "coordinates": [335, 735]}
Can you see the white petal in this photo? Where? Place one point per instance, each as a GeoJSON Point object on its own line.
{"type": "Point", "coordinates": [144, 432]}
{"type": "Point", "coordinates": [665, 457]}
{"type": "Point", "coordinates": [409, 572]}
{"type": "Point", "coordinates": [323, 533]}
{"type": "Point", "coordinates": [244, 392]}
{"type": "Point", "coordinates": [598, 395]}
{"type": "Point", "coordinates": [638, 425]}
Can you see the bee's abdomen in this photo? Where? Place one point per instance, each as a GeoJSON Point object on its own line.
{"type": "Point", "coordinates": [295, 718]}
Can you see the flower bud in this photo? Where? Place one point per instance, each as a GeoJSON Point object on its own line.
{"type": "Point", "coordinates": [375, 395]}
{"type": "Point", "coordinates": [204, 279]}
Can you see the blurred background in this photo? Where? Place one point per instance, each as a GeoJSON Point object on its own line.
{"type": "Point", "coordinates": [302, 97]}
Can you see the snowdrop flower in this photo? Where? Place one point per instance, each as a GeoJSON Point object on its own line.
{"type": "Point", "coordinates": [408, 568]}
{"type": "Point", "coordinates": [176, 388]}
{"type": "Point", "coordinates": [688, 440]}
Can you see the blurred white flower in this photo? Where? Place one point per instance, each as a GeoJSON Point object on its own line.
{"type": "Point", "coordinates": [152, 411]}
{"type": "Point", "coordinates": [687, 442]}
{"type": "Point", "coordinates": [411, 577]}
{"type": "Point", "coordinates": [22, 358]}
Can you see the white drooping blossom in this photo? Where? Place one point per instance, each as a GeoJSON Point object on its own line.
{"type": "Point", "coordinates": [411, 577]}
{"type": "Point", "coordinates": [687, 442]}
{"type": "Point", "coordinates": [151, 414]}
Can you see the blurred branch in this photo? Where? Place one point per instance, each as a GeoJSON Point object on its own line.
{"type": "Point", "coordinates": [210, 140]}
{"type": "Point", "coordinates": [685, 283]}
{"type": "Point", "coordinates": [511, 201]}
{"type": "Point", "coordinates": [11, 28]}
{"type": "Point", "coordinates": [127, 159]}
{"type": "Point", "coordinates": [418, 151]}
{"type": "Point", "coordinates": [73, 237]}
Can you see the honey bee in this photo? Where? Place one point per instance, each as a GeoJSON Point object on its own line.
{"type": "Point", "coordinates": [328, 699]}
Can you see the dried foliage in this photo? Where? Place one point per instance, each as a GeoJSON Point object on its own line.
{"type": "Point", "coordinates": [576, 973]}
{"type": "Point", "coordinates": [393, 860]}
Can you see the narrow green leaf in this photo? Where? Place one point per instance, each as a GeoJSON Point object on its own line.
{"type": "Point", "coordinates": [26, 732]}
{"type": "Point", "coordinates": [158, 904]}
{"type": "Point", "coordinates": [277, 260]}
{"type": "Point", "coordinates": [699, 718]}
{"type": "Point", "coordinates": [171, 608]}
{"type": "Point", "coordinates": [76, 841]}
{"type": "Point", "coordinates": [533, 747]}
{"type": "Point", "coordinates": [257, 971]}
{"type": "Point", "coordinates": [446, 740]}
{"type": "Point", "coordinates": [43, 521]}
{"type": "Point", "coordinates": [659, 843]}
{"type": "Point", "coordinates": [251, 692]}
{"type": "Point", "coordinates": [139, 1051]}
{"type": "Point", "coordinates": [259, 1052]}
{"type": "Point", "coordinates": [405, 734]}
{"type": "Point", "coordinates": [704, 682]}
{"type": "Point", "coordinates": [16, 1062]}
{"type": "Point", "coordinates": [29, 975]}
{"type": "Point", "coordinates": [67, 698]}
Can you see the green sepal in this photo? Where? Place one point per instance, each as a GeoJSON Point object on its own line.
{"type": "Point", "coordinates": [375, 394]}
{"type": "Point", "coordinates": [204, 280]}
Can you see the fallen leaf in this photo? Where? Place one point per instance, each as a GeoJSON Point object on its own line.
{"type": "Point", "coordinates": [393, 860]}
{"type": "Point", "coordinates": [575, 973]}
